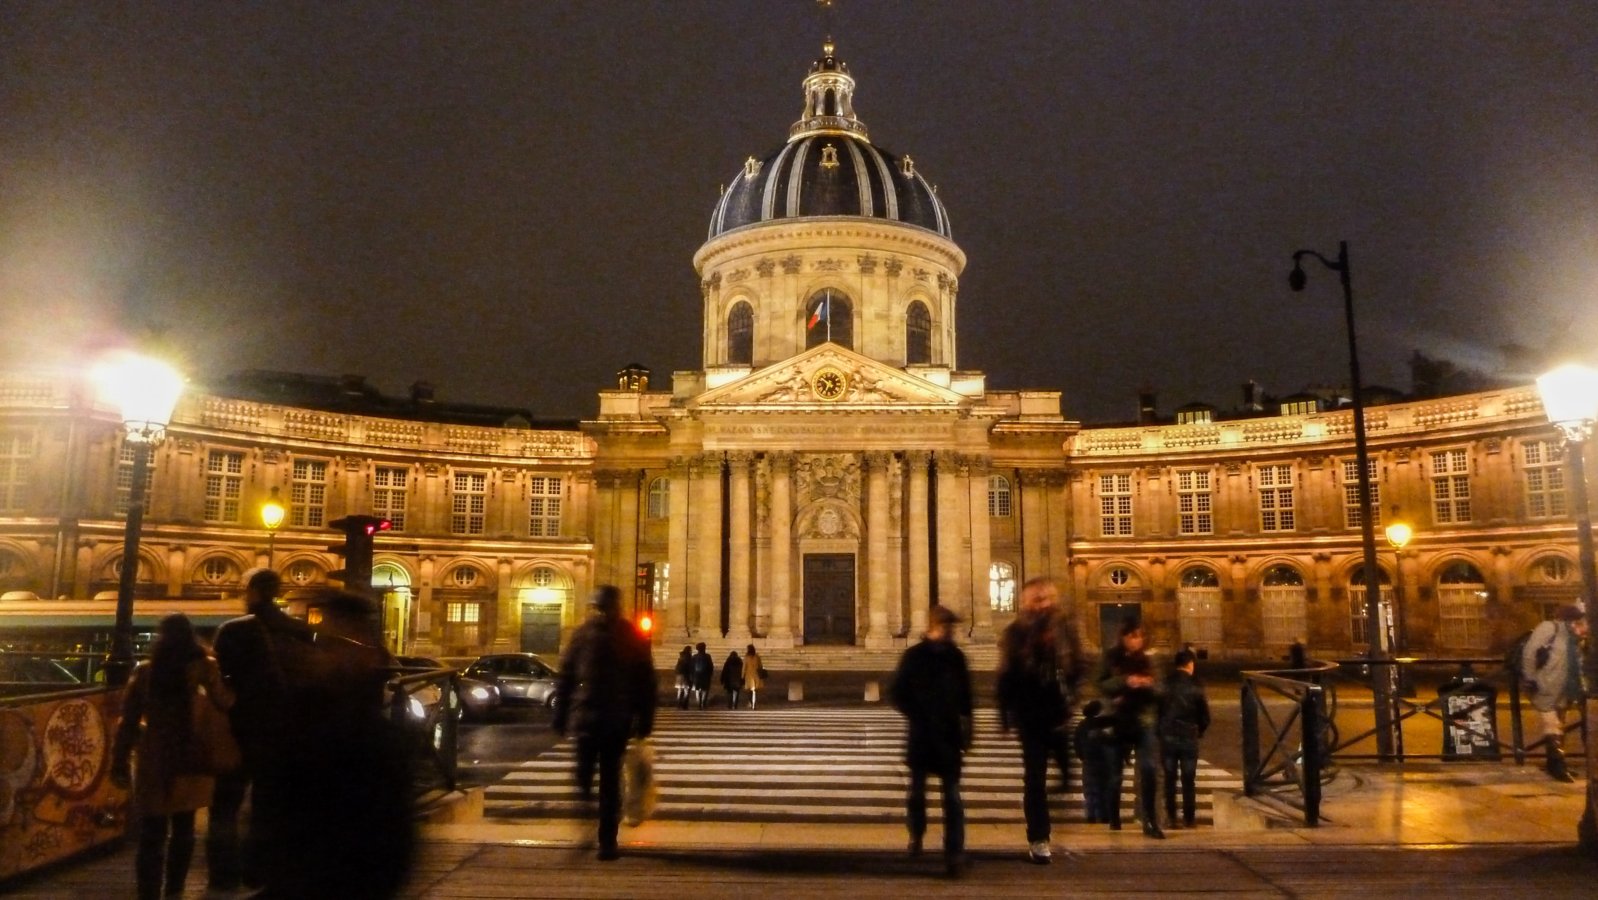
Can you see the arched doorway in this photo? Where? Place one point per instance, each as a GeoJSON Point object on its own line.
{"type": "Point", "coordinates": [1284, 608]}
{"type": "Point", "coordinates": [393, 585]}
{"type": "Point", "coordinates": [543, 595]}
{"type": "Point", "coordinates": [1198, 608]}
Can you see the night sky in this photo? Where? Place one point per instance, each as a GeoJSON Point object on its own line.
{"type": "Point", "coordinates": [504, 198]}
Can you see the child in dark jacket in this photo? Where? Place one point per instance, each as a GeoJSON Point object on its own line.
{"type": "Point", "coordinates": [1184, 717]}
{"type": "Point", "coordinates": [1095, 746]}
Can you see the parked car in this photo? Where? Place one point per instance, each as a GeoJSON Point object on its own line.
{"type": "Point", "coordinates": [478, 698]}
{"type": "Point", "coordinates": [520, 677]}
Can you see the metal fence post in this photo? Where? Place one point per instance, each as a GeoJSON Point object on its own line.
{"type": "Point", "coordinates": [1517, 731]}
{"type": "Point", "coordinates": [1310, 714]}
{"type": "Point", "coordinates": [1251, 738]}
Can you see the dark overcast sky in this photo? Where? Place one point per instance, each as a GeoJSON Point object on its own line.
{"type": "Point", "coordinates": [504, 198]}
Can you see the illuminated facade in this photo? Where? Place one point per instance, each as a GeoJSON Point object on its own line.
{"type": "Point", "coordinates": [827, 474]}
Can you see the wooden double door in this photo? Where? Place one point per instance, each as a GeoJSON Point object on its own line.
{"type": "Point", "coordinates": [829, 598]}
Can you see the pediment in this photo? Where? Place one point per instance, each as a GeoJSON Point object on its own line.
{"type": "Point", "coordinates": [867, 385]}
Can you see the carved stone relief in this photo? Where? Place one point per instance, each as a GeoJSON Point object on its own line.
{"type": "Point", "coordinates": [834, 476]}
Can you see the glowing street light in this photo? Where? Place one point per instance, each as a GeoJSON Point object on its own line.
{"type": "Point", "coordinates": [271, 517]}
{"type": "Point", "coordinates": [1398, 534]}
{"type": "Point", "coordinates": [1570, 398]}
{"type": "Point", "coordinates": [145, 392]}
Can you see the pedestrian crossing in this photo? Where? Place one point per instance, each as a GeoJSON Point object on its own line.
{"type": "Point", "coordinates": [805, 765]}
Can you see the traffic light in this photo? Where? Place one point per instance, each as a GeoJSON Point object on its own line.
{"type": "Point", "coordinates": [356, 550]}
{"type": "Point", "coordinates": [644, 598]}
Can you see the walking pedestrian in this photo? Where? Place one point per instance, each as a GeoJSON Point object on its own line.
{"type": "Point", "coordinates": [684, 672]}
{"type": "Point", "coordinates": [932, 688]}
{"type": "Point", "coordinates": [1040, 664]}
{"type": "Point", "coordinates": [1184, 717]}
{"type": "Point", "coordinates": [605, 697]}
{"type": "Point", "coordinates": [1126, 679]}
{"type": "Point", "coordinates": [704, 672]}
{"type": "Point", "coordinates": [1550, 667]}
{"type": "Point", "coordinates": [157, 730]}
{"type": "Point", "coordinates": [732, 678]}
{"type": "Point", "coordinates": [754, 674]}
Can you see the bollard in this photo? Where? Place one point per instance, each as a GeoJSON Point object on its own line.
{"type": "Point", "coordinates": [873, 691]}
{"type": "Point", "coordinates": [796, 691]}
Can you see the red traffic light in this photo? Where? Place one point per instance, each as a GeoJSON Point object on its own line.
{"type": "Point", "coordinates": [378, 525]}
{"type": "Point", "coordinates": [646, 623]}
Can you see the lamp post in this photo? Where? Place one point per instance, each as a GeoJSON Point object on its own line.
{"type": "Point", "coordinates": [1398, 533]}
{"type": "Point", "coordinates": [1570, 398]}
{"type": "Point", "coordinates": [145, 391]}
{"type": "Point", "coordinates": [1383, 680]}
{"type": "Point", "coordinates": [271, 517]}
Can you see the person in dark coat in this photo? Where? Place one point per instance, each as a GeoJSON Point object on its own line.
{"type": "Point", "coordinates": [1184, 717]}
{"type": "Point", "coordinates": [1096, 747]}
{"type": "Point", "coordinates": [685, 676]}
{"type": "Point", "coordinates": [1040, 664]}
{"type": "Point", "coordinates": [932, 688]}
{"type": "Point", "coordinates": [1127, 681]}
{"type": "Point", "coordinates": [732, 678]}
{"type": "Point", "coordinates": [704, 672]}
{"type": "Point", "coordinates": [605, 697]}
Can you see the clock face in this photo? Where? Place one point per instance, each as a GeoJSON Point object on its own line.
{"type": "Point", "coordinates": [829, 384]}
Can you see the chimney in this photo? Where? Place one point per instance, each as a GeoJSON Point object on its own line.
{"type": "Point", "coordinates": [1146, 414]}
{"type": "Point", "coordinates": [1253, 397]}
{"type": "Point", "coordinates": [421, 393]}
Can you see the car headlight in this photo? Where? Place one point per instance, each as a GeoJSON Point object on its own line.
{"type": "Point", "coordinates": [479, 693]}
{"type": "Point", "coordinates": [416, 709]}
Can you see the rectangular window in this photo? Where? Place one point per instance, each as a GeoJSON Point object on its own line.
{"type": "Point", "coordinates": [1276, 498]}
{"type": "Point", "coordinates": [16, 464]}
{"type": "Point", "coordinates": [462, 623]}
{"type": "Point", "coordinates": [1450, 487]}
{"type": "Point", "coordinates": [543, 507]}
{"type": "Point", "coordinates": [1115, 505]}
{"type": "Point", "coordinates": [125, 480]}
{"type": "Point", "coordinates": [1351, 511]}
{"type": "Point", "coordinates": [468, 503]}
{"type": "Point", "coordinates": [224, 484]}
{"type": "Point", "coordinates": [1194, 502]}
{"type": "Point", "coordinates": [389, 486]}
{"type": "Point", "coordinates": [308, 494]}
{"type": "Point", "coordinates": [1545, 479]}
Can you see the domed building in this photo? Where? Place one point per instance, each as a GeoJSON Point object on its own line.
{"type": "Point", "coordinates": [827, 474]}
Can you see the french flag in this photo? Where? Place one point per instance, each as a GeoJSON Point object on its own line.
{"type": "Point", "coordinates": [820, 315]}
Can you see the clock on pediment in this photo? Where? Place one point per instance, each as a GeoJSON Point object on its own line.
{"type": "Point", "coordinates": [829, 383]}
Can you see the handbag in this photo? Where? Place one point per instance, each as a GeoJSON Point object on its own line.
{"type": "Point", "coordinates": [639, 792]}
{"type": "Point", "coordinates": [216, 751]}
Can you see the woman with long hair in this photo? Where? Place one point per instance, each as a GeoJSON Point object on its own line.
{"type": "Point", "coordinates": [170, 781]}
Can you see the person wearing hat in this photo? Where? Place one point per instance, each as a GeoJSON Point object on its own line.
{"type": "Point", "coordinates": [606, 696]}
{"type": "Point", "coordinates": [1551, 667]}
{"type": "Point", "coordinates": [932, 689]}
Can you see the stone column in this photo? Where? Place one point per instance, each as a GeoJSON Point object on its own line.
{"type": "Point", "coordinates": [624, 562]}
{"type": "Point", "coordinates": [760, 605]}
{"type": "Point", "coordinates": [951, 526]}
{"type": "Point", "coordinates": [898, 621]}
{"type": "Point", "coordinates": [1033, 503]}
{"type": "Point", "coordinates": [877, 551]}
{"type": "Point", "coordinates": [507, 624]}
{"type": "Point", "coordinates": [428, 618]}
{"type": "Point", "coordinates": [707, 525]}
{"type": "Point", "coordinates": [781, 634]}
{"type": "Point", "coordinates": [919, 555]}
{"type": "Point", "coordinates": [975, 476]}
{"type": "Point", "coordinates": [678, 618]}
{"type": "Point", "coordinates": [740, 533]}
{"type": "Point", "coordinates": [177, 560]}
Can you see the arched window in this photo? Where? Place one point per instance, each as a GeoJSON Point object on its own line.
{"type": "Point", "coordinates": [1001, 587]}
{"type": "Point", "coordinates": [1283, 605]}
{"type": "Point", "coordinates": [741, 335]}
{"type": "Point", "coordinates": [829, 317]}
{"type": "Point", "coordinates": [1358, 612]}
{"type": "Point", "coordinates": [917, 334]}
{"type": "Point", "coordinates": [1462, 608]}
{"type": "Point", "coordinates": [659, 497]}
{"type": "Point", "coordinates": [1198, 601]}
{"type": "Point", "coordinates": [998, 497]}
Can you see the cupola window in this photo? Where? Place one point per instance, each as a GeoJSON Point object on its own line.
{"type": "Point", "coordinates": [918, 335]}
{"type": "Point", "coordinates": [741, 335]}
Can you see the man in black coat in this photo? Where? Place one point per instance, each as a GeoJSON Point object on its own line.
{"type": "Point", "coordinates": [606, 695]}
{"type": "Point", "coordinates": [704, 671]}
{"type": "Point", "coordinates": [932, 688]}
{"type": "Point", "coordinates": [1184, 718]}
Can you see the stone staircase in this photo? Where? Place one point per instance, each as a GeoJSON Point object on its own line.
{"type": "Point", "coordinates": [983, 657]}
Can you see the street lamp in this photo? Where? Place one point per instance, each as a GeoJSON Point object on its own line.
{"type": "Point", "coordinates": [1570, 399]}
{"type": "Point", "coordinates": [1398, 533]}
{"type": "Point", "coordinates": [1383, 677]}
{"type": "Point", "coordinates": [271, 517]}
{"type": "Point", "coordinates": [145, 391]}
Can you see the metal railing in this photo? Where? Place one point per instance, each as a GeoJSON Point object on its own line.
{"type": "Point", "coordinates": [1274, 760]}
{"type": "Point", "coordinates": [425, 706]}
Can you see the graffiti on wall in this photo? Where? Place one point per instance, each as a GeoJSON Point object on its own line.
{"type": "Point", "coordinates": [56, 796]}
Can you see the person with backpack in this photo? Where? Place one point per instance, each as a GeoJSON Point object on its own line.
{"type": "Point", "coordinates": [704, 672]}
{"type": "Point", "coordinates": [1184, 717]}
{"type": "Point", "coordinates": [1550, 671]}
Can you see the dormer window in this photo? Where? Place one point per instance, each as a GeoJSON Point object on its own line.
{"type": "Point", "coordinates": [829, 157]}
{"type": "Point", "coordinates": [751, 167]}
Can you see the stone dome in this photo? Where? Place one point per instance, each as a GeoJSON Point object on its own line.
{"type": "Point", "coordinates": [829, 167]}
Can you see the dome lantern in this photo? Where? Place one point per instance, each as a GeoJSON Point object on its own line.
{"type": "Point", "coordinates": [829, 99]}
